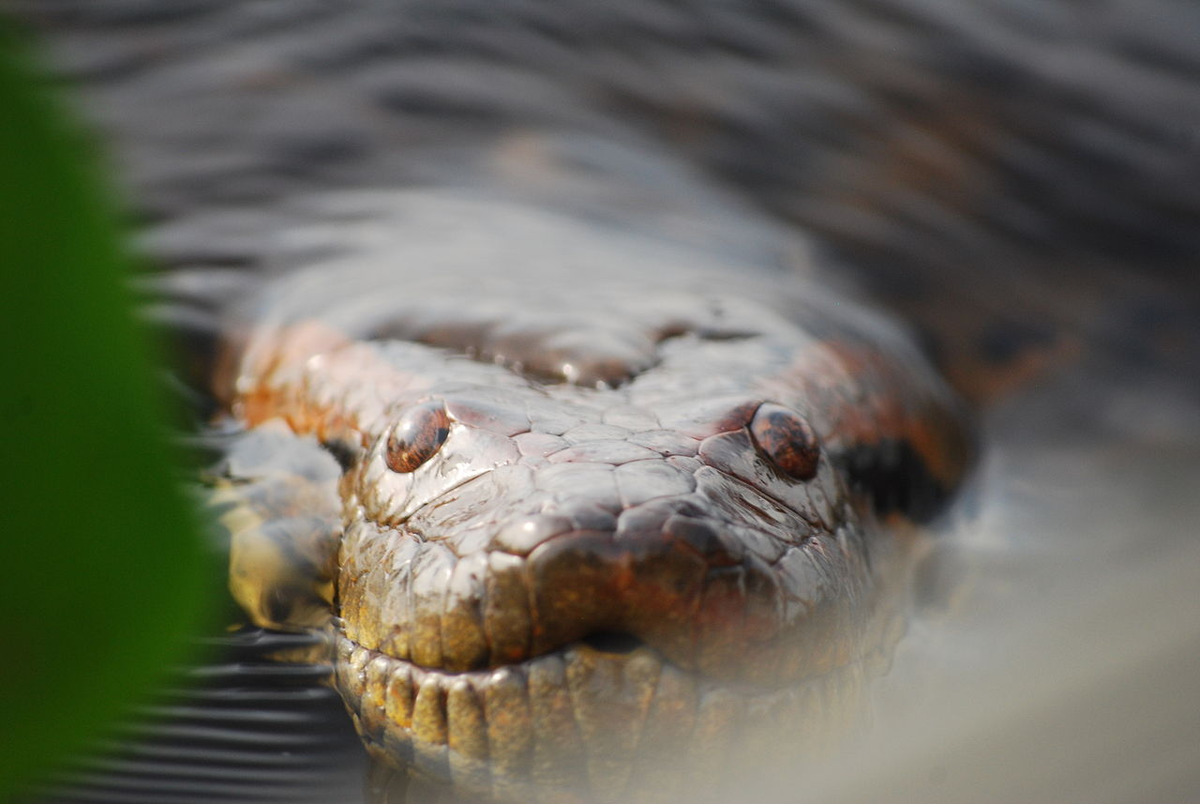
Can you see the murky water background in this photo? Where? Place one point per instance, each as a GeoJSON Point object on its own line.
{"type": "Point", "coordinates": [1066, 669]}
{"type": "Point", "coordinates": [1034, 164]}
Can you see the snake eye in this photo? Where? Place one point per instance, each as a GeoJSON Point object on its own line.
{"type": "Point", "coordinates": [417, 436]}
{"type": "Point", "coordinates": [787, 439]}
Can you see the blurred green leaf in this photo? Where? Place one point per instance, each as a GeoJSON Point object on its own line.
{"type": "Point", "coordinates": [104, 569]}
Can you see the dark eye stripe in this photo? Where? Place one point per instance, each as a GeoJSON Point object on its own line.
{"type": "Point", "coordinates": [417, 436]}
{"type": "Point", "coordinates": [786, 438]}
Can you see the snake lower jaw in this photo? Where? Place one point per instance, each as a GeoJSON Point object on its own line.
{"type": "Point", "coordinates": [595, 720]}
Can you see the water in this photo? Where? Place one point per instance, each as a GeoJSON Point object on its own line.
{"type": "Point", "coordinates": [1066, 669]}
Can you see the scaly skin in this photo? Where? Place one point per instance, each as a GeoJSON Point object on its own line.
{"type": "Point", "coordinates": [575, 507]}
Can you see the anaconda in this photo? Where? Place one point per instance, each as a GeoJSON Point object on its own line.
{"type": "Point", "coordinates": [598, 457]}
{"type": "Point", "coordinates": [604, 503]}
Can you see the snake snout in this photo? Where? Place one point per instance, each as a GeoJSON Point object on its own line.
{"type": "Point", "coordinates": [673, 585]}
{"type": "Point", "coordinates": [716, 563]}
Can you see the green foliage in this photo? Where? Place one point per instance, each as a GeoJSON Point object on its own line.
{"type": "Point", "coordinates": [103, 566]}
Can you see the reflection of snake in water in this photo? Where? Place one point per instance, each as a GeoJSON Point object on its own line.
{"type": "Point", "coordinates": [593, 481]}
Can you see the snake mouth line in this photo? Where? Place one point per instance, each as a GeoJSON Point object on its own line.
{"type": "Point", "coordinates": [604, 719]}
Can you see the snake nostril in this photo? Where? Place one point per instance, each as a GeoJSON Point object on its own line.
{"type": "Point", "coordinates": [619, 642]}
